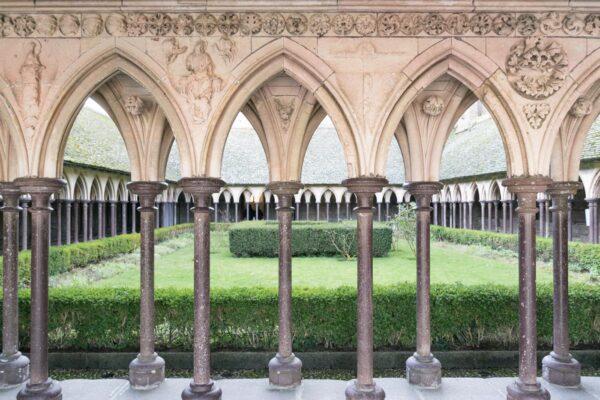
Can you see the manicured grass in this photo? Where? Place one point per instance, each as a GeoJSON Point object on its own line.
{"type": "Point", "coordinates": [468, 265]}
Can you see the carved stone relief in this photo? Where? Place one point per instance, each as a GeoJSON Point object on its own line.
{"type": "Point", "coordinates": [134, 105]}
{"type": "Point", "coordinates": [536, 114]}
{"type": "Point", "coordinates": [116, 25]}
{"type": "Point", "coordinates": [31, 75]}
{"type": "Point", "coordinates": [581, 108]}
{"type": "Point", "coordinates": [200, 82]}
{"type": "Point", "coordinates": [6, 25]}
{"type": "Point", "coordinates": [366, 24]}
{"type": "Point", "coordinates": [319, 24]}
{"type": "Point", "coordinates": [457, 24]}
{"type": "Point", "coordinates": [160, 24]}
{"type": "Point", "coordinates": [296, 24]}
{"type": "Point", "coordinates": [285, 111]}
{"type": "Point", "coordinates": [229, 24]}
{"type": "Point", "coordinates": [550, 23]}
{"type": "Point", "coordinates": [137, 24]}
{"type": "Point", "coordinates": [527, 24]}
{"type": "Point", "coordinates": [504, 24]}
{"type": "Point", "coordinates": [226, 48]}
{"type": "Point", "coordinates": [24, 25]}
{"type": "Point", "coordinates": [433, 106]}
{"type": "Point", "coordinates": [92, 25]}
{"type": "Point", "coordinates": [343, 24]}
{"type": "Point", "coordinates": [592, 24]}
{"type": "Point", "coordinates": [183, 25]}
{"type": "Point", "coordinates": [537, 67]}
{"type": "Point", "coordinates": [273, 24]}
{"type": "Point", "coordinates": [389, 24]}
{"type": "Point", "coordinates": [573, 24]}
{"type": "Point", "coordinates": [46, 24]}
{"type": "Point", "coordinates": [251, 23]}
{"type": "Point", "coordinates": [69, 25]}
{"type": "Point", "coordinates": [205, 24]}
{"type": "Point", "coordinates": [434, 24]}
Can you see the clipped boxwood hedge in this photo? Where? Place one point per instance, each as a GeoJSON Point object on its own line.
{"type": "Point", "coordinates": [582, 256]}
{"type": "Point", "coordinates": [463, 317]}
{"type": "Point", "coordinates": [78, 255]}
{"type": "Point", "coordinates": [261, 239]}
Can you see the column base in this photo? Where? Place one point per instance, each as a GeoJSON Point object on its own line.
{"type": "Point", "coordinates": [209, 391]}
{"type": "Point", "coordinates": [49, 390]}
{"type": "Point", "coordinates": [354, 391]}
{"type": "Point", "coordinates": [562, 371]}
{"type": "Point", "coordinates": [285, 372]}
{"type": "Point", "coordinates": [520, 391]}
{"type": "Point", "coordinates": [146, 373]}
{"type": "Point", "coordinates": [14, 370]}
{"type": "Point", "coordinates": [424, 372]}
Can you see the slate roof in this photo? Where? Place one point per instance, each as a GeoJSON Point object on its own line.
{"type": "Point", "coordinates": [474, 150]}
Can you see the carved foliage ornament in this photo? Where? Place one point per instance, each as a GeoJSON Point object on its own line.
{"type": "Point", "coordinates": [537, 67]}
{"type": "Point", "coordinates": [536, 114]}
{"type": "Point", "coordinates": [581, 108]}
{"type": "Point", "coordinates": [433, 106]}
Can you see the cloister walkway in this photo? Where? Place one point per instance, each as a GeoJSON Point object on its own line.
{"type": "Point", "coordinates": [258, 389]}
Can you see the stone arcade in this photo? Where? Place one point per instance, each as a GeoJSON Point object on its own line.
{"type": "Point", "coordinates": [181, 70]}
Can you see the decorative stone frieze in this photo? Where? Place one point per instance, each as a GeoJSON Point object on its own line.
{"type": "Point", "coordinates": [433, 106]}
{"type": "Point", "coordinates": [537, 67]}
{"type": "Point", "coordinates": [581, 108]}
{"type": "Point", "coordinates": [298, 23]}
{"type": "Point", "coordinates": [536, 113]}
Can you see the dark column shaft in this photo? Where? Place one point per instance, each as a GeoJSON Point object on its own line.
{"type": "Point", "coordinates": [68, 229]}
{"type": "Point", "coordinates": [76, 222]}
{"type": "Point", "coordinates": [113, 218]}
{"type": "Point", "coordinates": [85, 223]}
{"type": "Point", "coordinates": [59, 222]}
{"type": "Point", "coordinates": [124, 217]}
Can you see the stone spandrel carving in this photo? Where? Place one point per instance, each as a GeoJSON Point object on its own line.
{"type": "Point", "coordinates": [285, 111]}
{"type": "Point", "coordinates": [550, 23]}
{"type": "Point", "coordinates": [134, 105]}
{"type": "Point", "coordinates": [411, 24]}
{"type": "Point", "coordinates": [6, 25]}
{"type": "Point", "coordinates": [537, 67]}
{"type": "Point", "coordinates": [31, 77]}
{"type": "Point", "coordinates": [581, 108]}
{"type": "Point", "coordinates": [205, 24]}
{"type": "Point", "coordinates": [116, 25]}
{"type": "Point", "coordinates": [137, 24]}
{"type": "Point", "coordinates": [457, 24]}
{"type": "Point", "coordinates": [433, 106]}
{"type": "Point", "coordinates": [536, 114]}
{"type": "Point", "coordinates": [481, 24]}
{"type": "Point", "coordinates": [92, 25]}
{"type": "Point", "coordinates": [160, 24]}
{"type": "Point", "coordinates": [366, 24]}
{"type": "Point", "coordinates": [24, 25]}
{"type": "Point", "coordinates": [434, 24]}
{"type": "Point", "coordinates": [227, 48]}
{"type": "Point", "coordinates": [504, 24]}
{"type": "Point", "coordinates": [200, 82]}
{"type": "Point", "coordinates": [319, 24]}
{"type": "Point", "coordinates": [69, 25]}
{"type": "Point", "coordinates": [46, 25]}
{"type": "Point", "coordinates": [572, 24]}
{"type": "Point", "coordinates": [389, 24]}
{"type": "Point", "coordinates": [250, 24]}
{"type": "Point", "coordinates": [592, 24]}
{"type": "Point", "coordinates": [296, 24]}
{"type": "Point", "coordinates": [343, 24]}
{"type": "Point", "coordinates": [527, 24]}
{"type": "Point", "coordinates": [183, 25]}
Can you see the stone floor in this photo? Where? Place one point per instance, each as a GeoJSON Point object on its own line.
{"type": "Point", "coordinates": [257, 389]}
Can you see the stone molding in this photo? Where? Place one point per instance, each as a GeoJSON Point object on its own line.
{"type": "Point", "coordinates": [357, 24]}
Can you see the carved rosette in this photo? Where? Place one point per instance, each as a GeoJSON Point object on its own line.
{"type": "Point", "coordinates": [273, 24]}
{"type": "Point", "coordinates": [251, 23]}
{"type": "Point", "coordinates": [581, 108]}
{"type": "Point", "coordinates": [296, 24]}
{"type": "Point", "coordinates": [366, 24]}
{"type": "Point", "coordinates": [504, 24]}
{"type": "Point", "coordinates": [537, 67]}
{"type": "Point", "coordinates": [205, 24]}
{"type": "Point", "coordinates": [343, 24]}
{"type": "Point", "coordinates": [433, 106]}
{"type": "Point", "coordinates": [319, 24]}
{"type": "Point", "coordinates": [536, 113]}
{"type": "Point", "coordinates": [229, 24]}
{"type": "Point", "coordinates": [160, 24]}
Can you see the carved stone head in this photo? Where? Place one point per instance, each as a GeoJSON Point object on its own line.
{"type": "Point", "coordinates": [134, 105]}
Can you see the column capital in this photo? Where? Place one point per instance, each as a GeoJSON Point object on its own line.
{"type": "Point", "coordinates": [285, 188]}
{"type": "Point", "coordinates": [527, 188]}
{"type": "Point", "coordinates": [423, 188]}
{"type": "Point", "coordinates": [40, 189]}
{"type": "Point", "coordinates": [146, 192]}
{"type": "Point", "coordinates": [201, 188]}
{"type": "Point", "coordinates": [364, 187]}
{"type": "Point", "coordinates": [10, 194]}
{"type": "Point", "coordinates": [556, 189]}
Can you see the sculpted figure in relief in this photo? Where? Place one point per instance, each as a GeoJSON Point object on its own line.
{"type": "Point", "coordinates": [285, 111]}
{"type": "Point", "coordinates": [226, 48]}
{"type": "Point", "coordinates": [433, 106]}
{"type": "Point", "coordinates": [201, 82]}
{"type": "Point", "coordinates": [581, 108]}
{"type": "Point", "coordinates": [31, 76]}
{"type": "Point", "coordinates": [134, 105]}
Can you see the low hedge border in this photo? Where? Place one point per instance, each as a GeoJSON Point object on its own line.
{"type": "Point", "coordinates": [582, 256]}
{"type": "Point", "coordinates": [309, 239]}
{"type": "Point", "coordinates": [78, 255]}
{"type": "Point", "coordinates": [245, 319]}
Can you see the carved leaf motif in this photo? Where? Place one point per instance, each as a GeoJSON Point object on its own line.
{"type": "Point", "coordinates": [536, 114]}
{"type": "Point", "coordinates": [116, 24]}
{"type": "Point", "coordinates": [183, 25]}
{"type": "Point", "coordinates": [366, 24]}
{"type": "Point", "coordinates": [527, 24]}
{"type": "Point", "coordinates": [537, 67]}
{"type": "Point", "coordinates": [550, 23]}
{"type": "Point", "coordinates": [572, 24]}
{"type": "Point", "coordinates": [229, 24]}
{"type": "Point", "coordinates": [205, 24]}
{"type": "Point", "coordinates": [481, 24]}
{"type": "Point", "coordinates": [433, 106]}
{"type": "Point", "coordinates": [320, 24]}
{"type": "Point", "coordinates": [69, 25]}
{"type": "Point", "coordinates": [411, 24]}
{"type": "Point", "coordinates": [251, 24]}
{"type": "Point", "coordinates": [434, 24]}
{"type": "Point", "coordinates": [24, 25]}
{"type": "Point", "coordinates": [581, 108]}
{"type": "Point", "coordinates": [343, 24]}
{"type": "Point", "coordinates": [389, 24]}
{"type": "Point", "coordinates": [273, 24]}
{"type": "Point", "coordinates": [592, 24]}
{"type": "Point", "coordinates": [92, 25]}
{"type": "Point", "coordinates": [504, 24]}
{"type": "Point", "coordinates": [46, 25]}
{"type": "Point", "coordinates": [160, 24]}
{"type": "Point", "coordinates": [137, 24]}
{"type": "Point", "coordinates": [296, 24]}
{"type": "Point", "coordinates": [457, 24]}
{"type": "Point", "coordinates": [6, 25]}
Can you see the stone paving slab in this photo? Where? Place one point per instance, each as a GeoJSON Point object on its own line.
{"type": "Point", "coordinates": [258, 389]}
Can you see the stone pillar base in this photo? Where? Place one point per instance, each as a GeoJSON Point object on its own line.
{"type": "Point", "coordinates": [519, 391]}
{"type": "Point", "coordinates": [354, 391]}
{"type": "Point", "coordinates": [424, 372]}
{"type": "Point", "coordinates": [146, 374]}
{"type": "Point", "coordinates": [201, 392]}
{"type": "Point", "coordinates": [285, 372]}
{"type": "Point", "coordinates": [49, 390]}
{"type": "Point", "coordinates": [563, 372]}
{"type": "Point", "coordinates": [14, 370]}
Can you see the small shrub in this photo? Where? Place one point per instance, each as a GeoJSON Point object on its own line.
{"type": "Point", "coordinates": [404, 226]}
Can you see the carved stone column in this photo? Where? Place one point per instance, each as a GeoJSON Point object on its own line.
{"type": "Point", "coordinates": [482, 215]}
{"type": "Point", "coordinates": [24, 224]}
{"type": "Point", "coordinates": [496, 224]}
{"type": "Point", "coordinates": [285, 369]}
{"type": "Point", "coordinates": [113, 218]}
{"type": "Point", "coordinates": [435, 213]}
{"type": "Point", "coordinates": [444, 219]}
{"type": "Point", "coordinates": [560, 368]}
{"type": "Point", "coordinates": [202, 387]}
{"type": "Point", "coordinates": [14, 367]}
{"type": "Point", "coordinates": [542, 208]}
{"type": "Point", "coordinates": [593, 220]}
{"type": "Point", "coordinates": [548, 219]}
{"type": "Point", "coordinates": [504, 215]}
{"type": "Point", "coordinates": [85, 222]}
{"type": "Point", "coordinates": [470, 215]}
{"type": "Point", "coordinates": [101, 220]}
{"type": "Point", "coordinates": [40, 386]}
{"type": "Point", "coordinates": [227, 216]}
{"type": "Point", "coordinates": [510, 216]}
{"type": "Point", "coordinates": [236, 207]}
{"type": "Point", "coordinates": [76, 221]}
{"type": "Point", "coordinates": [490, 214]}
{"type": "Point", "coordinates": [123, 217]}
{"type": "Point", "coordinates": [68, 213]}
{"type": "Point", "coordinates": [59, 222]}
{"type": "Point", "coordinates": [423, 369]}
{"type": "Point", "coordinates": [526, 387]}
{"type": "Point", "coordinates": [570, 220]}
{"type": "Point", "coordinates": [134, 216]}
{"type": "Point", "coordinates": [364, 388]}
{"type": "Point", "coordinates": [147, 371]}
{"type": "Point", "coordinates": [297, 211]}
{"type": "Point", "coordinates": [338, 204]}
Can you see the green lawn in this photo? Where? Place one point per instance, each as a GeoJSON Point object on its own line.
{"type": "Point", "coordinates": [468, 265]}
